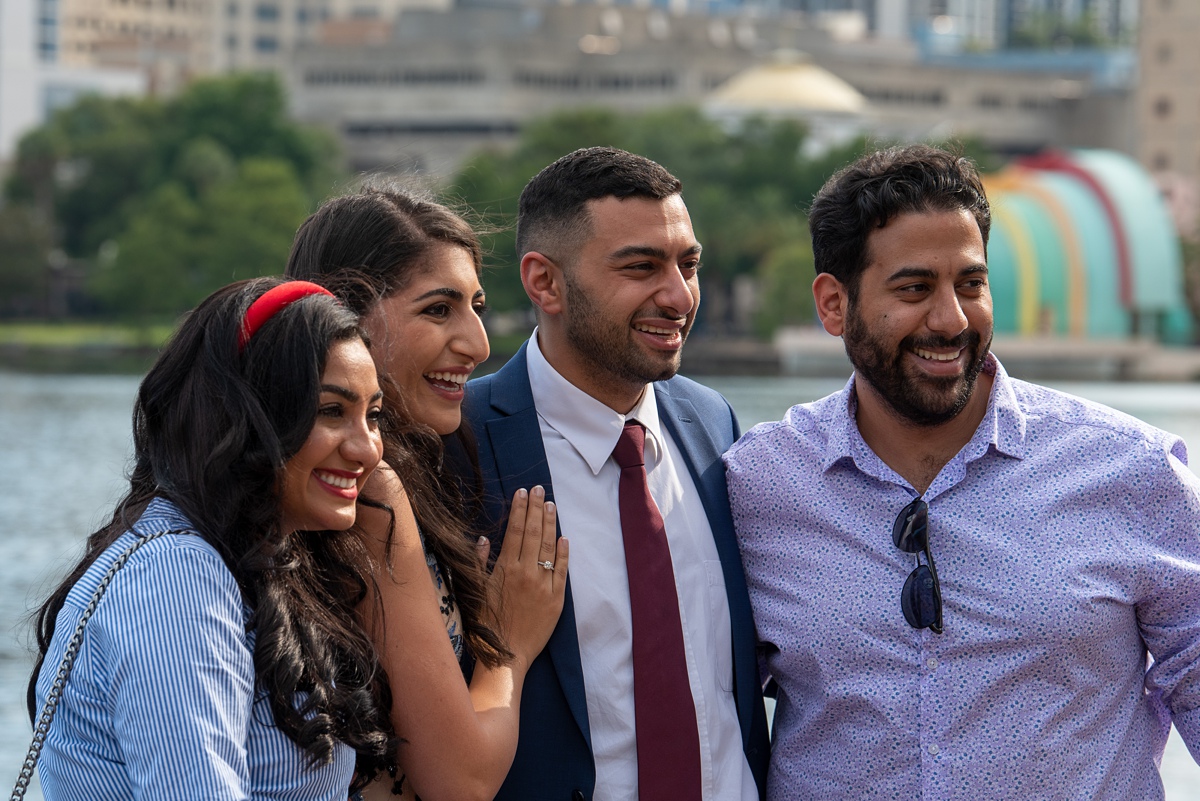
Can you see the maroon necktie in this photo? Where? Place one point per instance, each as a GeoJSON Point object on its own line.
{"type": "Point", "coordinates": [668, 744]}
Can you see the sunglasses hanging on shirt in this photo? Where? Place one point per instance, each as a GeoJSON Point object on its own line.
{"type": "Point", "coordinates": [921, 597]}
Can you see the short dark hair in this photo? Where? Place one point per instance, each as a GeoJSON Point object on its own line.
{"type": "Point", "coordinates": [879, 186]}
{"type": "Point", "coordinates": [552, 215]}
{"type": "Point", "coordinates": [381, 234]}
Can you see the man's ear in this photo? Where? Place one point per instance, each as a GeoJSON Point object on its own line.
{"type": "Point", "coordinates": [831, 299]}
{"type": "Point", "coordinates": [543, 282]}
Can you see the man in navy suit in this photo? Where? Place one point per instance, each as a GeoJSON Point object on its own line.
{"type": "Point", "coordinates": [610, 262]}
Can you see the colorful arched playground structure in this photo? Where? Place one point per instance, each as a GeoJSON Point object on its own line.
{"type": "Point", "coordinates": [1082, 245]}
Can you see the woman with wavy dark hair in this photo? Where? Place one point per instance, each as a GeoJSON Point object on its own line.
{"type": "Point", "coordinates": [228, 658]}
{"type": "Point", "coordinates": [417, 267]}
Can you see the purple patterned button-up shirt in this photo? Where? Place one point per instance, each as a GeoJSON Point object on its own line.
{"type": "Point", "coordinates": [1067, 541]}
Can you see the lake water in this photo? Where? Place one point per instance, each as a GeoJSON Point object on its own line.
{"type": "Point", "coordinates": [64, 448]}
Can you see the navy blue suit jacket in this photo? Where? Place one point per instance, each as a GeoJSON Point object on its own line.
{"type": "Point", "coordinates": [554, 756]}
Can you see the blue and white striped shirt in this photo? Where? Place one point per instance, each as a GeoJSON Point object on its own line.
{"type": "Point", "coordinates": [161, 703]}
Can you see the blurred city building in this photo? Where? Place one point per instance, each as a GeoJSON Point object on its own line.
{"type": "Point", "coordinates": [983, 24]}
{"type": "Point", "coordinates": [1168, 107]}
{"type": "Point", "coordinates": [263, 34]}
{"type": "Point", "coordinates": [418, 84]}
{"type": "Point", "coordinates": [422, 93]}
{"type": "Point", "coordinates": [423, 89]}
{"type": "Point", "coordinates": [942, 68]}
{"type": "Point", "coordinates": [168, 40]}
{"type": "Point", "coordinates": [1014, 101]}
{"type": "Point", "coordinates": [34, 80]}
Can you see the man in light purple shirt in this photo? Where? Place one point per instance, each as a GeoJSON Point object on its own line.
{"type": "Point", "coordinates": [966, 586]}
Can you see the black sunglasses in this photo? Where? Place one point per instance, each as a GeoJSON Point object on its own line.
{"type": "Point", "coordinates": [921, 598]}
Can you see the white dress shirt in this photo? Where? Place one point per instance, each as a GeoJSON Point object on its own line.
{"type": "Point", "coordinates": [579, 434]}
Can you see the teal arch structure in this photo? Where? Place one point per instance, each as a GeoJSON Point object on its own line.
{"type": "Point", "coordinates": [1105, 316]}
{"type": "Point", "coordinates": [1082, 245]}
{"type": "Point", "coordinates": [1156, 258]}
{"type": "Point", "coordinates": [1047, 241]}
{"type": "Point", "coordinates": [1002, 276]}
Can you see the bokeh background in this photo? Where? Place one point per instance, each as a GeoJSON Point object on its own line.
{"type": "Point", "coordinates": [153, 150]}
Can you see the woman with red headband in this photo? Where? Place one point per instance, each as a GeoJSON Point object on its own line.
{"type": "Point", "coordinates": [418, 266]}
{"type": "Point", "coordinates": [225, 656]}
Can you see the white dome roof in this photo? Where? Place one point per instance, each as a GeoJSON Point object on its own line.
{"type": "Point", "coordinates": [791, 83]}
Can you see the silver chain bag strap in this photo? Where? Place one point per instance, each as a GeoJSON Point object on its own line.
{"type": "Point", "coordinates": [60, 680]}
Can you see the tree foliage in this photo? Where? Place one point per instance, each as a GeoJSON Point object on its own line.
{"type": "Point", "coordinates": [158, 202]}
{"type": "Point", "coordinates": [785, 286]}
{"type": "Point", "coordinates": [182, 194]}
{"type": "Point", "coordinates": [24, 269]}
{"type": "Point", "coordinates": [181, 245]}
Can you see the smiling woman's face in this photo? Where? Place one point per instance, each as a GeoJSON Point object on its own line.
{"type": "Point", "coordinates": [322, 480]}
{"type": "Point", "coordinates": [429, 336]}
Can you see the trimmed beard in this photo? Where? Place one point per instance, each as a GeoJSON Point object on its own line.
{"type": "Point", "coordinates": [608, 347]}
{"type": "Point", "coordinates": [922, 401]}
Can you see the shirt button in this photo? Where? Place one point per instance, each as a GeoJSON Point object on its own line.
{"type": "Point", "coordinates": [931, 663]}
{"type": "Point", "coordinates": [933, 749]}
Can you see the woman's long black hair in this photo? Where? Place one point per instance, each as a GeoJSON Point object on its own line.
{"type": "Point", "coordinates": [213, 427]}
{"type": "Point", "coordinates": [367, 246]}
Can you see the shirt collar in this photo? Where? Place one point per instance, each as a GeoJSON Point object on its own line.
{"type": "Point", "coordinates": [161, 514]}
{"type": "Point", "coordinates": [1003, 426]}
{"type": "Point", "coordinates": [591, 427]}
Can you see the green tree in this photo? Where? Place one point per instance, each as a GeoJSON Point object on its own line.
{"type": "Point", "coordinates": [250, 221]}
{"type": "Point", "coordinates": [204, 163]}
{"type": "Point", "coordinates": [785, 286]}
{"type": "Point", "coordinates": [246, 114]}
{"type": "Point", "coordinates": [199, 187]}
{"type": "Point", "coordinates": [155, 271]}
{"type": "Point", "coordinates": [92, 158]}
{"type": "Point", "coordinates": [178, 249]}
{"type": "Point", "coordinates": [24, 271]}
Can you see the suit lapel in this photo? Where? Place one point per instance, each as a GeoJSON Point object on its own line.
{"type": "Point", "coordinates": [703, 457]}
{"type": "Point", "coordinates": [520, 457]}
{"type": "Point", "coordinates": [516, 441]}
{"type": "Point", "coordinates": [699, 450]}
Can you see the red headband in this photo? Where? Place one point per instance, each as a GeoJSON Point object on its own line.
{"type": "Point", "coordinates": [271, 302]}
